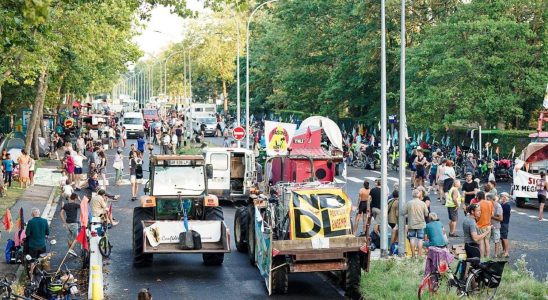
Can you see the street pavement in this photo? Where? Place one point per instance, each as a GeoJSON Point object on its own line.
{"type": "Point", "coordinates": [173, 276]}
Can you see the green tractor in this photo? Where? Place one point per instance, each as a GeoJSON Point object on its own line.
{"type": "Point", "coordinates": [176, 204]}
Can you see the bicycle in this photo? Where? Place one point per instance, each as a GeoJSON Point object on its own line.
{"type": "Point", "coordinates": [105, 247]}
{"type": "Point", "coordinates": [6, 290]}
{"type": "Point", "coordinates": [482, 280]}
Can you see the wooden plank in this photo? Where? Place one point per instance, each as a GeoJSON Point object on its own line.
{"type": "Point", "coordinates": [346, 242]}
{"type": "Point", "coordinates": [319, 256]}
{"type": "Point", "coordinates": [318, 267]}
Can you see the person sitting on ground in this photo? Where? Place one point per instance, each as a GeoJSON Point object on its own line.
{"type": "Point", "coordinates": [144, 294]}
{"type": "Point", "coordinates": [67, 190]}
{"type": "Point", "coordinates": [435, 233]}
{"type": "Point", "coordinates": [99, 208]}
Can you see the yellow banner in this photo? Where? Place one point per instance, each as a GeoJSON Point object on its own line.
{"type": "Point", "coordinates": [319, 213]}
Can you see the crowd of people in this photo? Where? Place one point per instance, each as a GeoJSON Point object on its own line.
{"type": "Point", "coordinates": [21, 170]}
{"type": "Point", "coordinates": [486, 212]}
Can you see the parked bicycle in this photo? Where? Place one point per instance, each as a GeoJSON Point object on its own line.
{"type": "Point", "coordinates": [6, 290]}
{"type": "Point", "coordinates": [105, 247]}
{"type": "Point", "coordinates": [483, 279]}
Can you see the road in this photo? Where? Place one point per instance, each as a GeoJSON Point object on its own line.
{"type": "Point", "coordinates": [174, 276]}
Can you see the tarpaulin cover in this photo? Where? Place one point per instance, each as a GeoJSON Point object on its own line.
{"type": "Point", "coordinates": [535, 152]}
{"type": "Point", "coordinates": [330, 128]}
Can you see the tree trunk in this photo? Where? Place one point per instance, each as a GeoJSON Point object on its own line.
{"type": "Point", "coordinates": [225, 96]}
{"type": "Point", "coordinates": [37, 109]}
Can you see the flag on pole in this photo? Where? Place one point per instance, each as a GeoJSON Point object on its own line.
{"type": "Point", "coordinates": [447, 141]}
{"type": "Point", "coordinates": [442, 140]}
{"type": "Point", "coordinates": [497, 151]}
{"type": "Point", "coordinates": [20, 222]}
{"type": "Point", "coordinates": [82, 238]}
{"type": "Point", "coordinates": [6, 220]}
{"type": "Point", "coordinates": [462, 143]}
{"type": "Point", "coordinates": [513, 151]}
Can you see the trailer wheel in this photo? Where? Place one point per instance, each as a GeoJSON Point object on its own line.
{"type": "Point", "coordinates": [241, 219]}
{"type": "Point", "coordinates": [213, 259]}
{"type": "Point", "coordinates": [352, 276]}
{"type": "Point", "coordinates": [280, 280]}
{"type": "Point", "coordinates": [251, 234]}
{"type": "Point", "coordinates": [140, 259]}
{"type": "Point", "coordinates": [520, 202]}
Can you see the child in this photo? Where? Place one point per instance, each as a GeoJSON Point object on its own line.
{"type": "Point", "coordinates": [8, 164]}
{"type": "Point", "coordinates": [67, 190]}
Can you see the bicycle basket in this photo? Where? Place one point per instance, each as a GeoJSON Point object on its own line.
{"type": "Point", "coordinates": [493, 272]}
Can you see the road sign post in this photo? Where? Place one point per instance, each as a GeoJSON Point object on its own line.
{"type": "Point", "coordinates": [238, 133]}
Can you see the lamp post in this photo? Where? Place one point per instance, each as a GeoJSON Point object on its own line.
{"type": "Point", "coordinates": [247, 71]}
{"type": "Point", "coordinates": [403, 132]}
{"type": "Point", "coordinates": [384, 169]}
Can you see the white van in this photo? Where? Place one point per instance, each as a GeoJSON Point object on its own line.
{"type": "Point", "coordinates": [233, 172]}
{"type": "Point", "coordinates": [134, 124]}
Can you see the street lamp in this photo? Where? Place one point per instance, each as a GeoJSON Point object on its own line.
{"type": "Point", "coordinates": [247, 71]}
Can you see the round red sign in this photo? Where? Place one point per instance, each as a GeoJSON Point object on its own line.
{"type": "Point", "coordinates": [69, 122]}
{"type": "Point", "coordinates": [238, 133]}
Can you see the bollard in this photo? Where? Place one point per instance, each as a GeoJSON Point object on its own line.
{"type": "Point", "coordinates": [96, 283]}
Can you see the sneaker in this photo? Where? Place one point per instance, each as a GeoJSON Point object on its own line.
{"type": "Point", "coordinates": [72, 252]}
{"type": "Point", "coordinates": [114, 223]}
{"type": "Point", "coordinates": [116, 197]}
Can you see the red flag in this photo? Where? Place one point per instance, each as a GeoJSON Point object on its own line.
{"type": "Point", "coordinates": [8, 224]}
{"type": "Point", "coordinates": [82, 238]}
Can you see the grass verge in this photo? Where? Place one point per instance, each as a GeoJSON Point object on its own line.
{"type": "Point", "coordinates": [12, 194]}
{"type": "Point", "coordinates": [400, 279]}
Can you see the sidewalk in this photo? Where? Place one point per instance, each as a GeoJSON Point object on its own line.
{"type": "Point", "coordinates": [37, 196]}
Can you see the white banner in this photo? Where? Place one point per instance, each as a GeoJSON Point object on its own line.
{"type": "Point", "coordinates": [524, 184]}
{"type": "Point", "coordinates": [278, 136]}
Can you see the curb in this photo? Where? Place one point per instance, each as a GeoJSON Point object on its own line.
{"type": "Point", "coordinates": [47, 214]}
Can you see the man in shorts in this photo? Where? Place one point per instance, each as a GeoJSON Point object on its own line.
{"type": "Point", "coordinates": [416, 212]}
{"type": "Point", "coordinates": [484, 224]}
{"type": "Point", "coordinates": [70, 219]}
{"type": "Point", "coordinates": [504, 225]}
{"type": "Point", "coordinates": [363, 206]}
{"type": "Point", "coordinates": [542, 185]}
{"type": "Point", "coordinates": [495, 221]}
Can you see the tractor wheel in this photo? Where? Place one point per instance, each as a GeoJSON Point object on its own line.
{"type": "Point", "coordinates": [241, 219]}
{"type": "Point", "coordinates": [213, 259]}
{"type": "Point", "coordinates": [280, 281]}
{"type": "Point", "coordinates": [140, 259]}
{"type": "Point", "coordinates": [352, 276]}
{"type": "Point", "coordinates": [251, 235]}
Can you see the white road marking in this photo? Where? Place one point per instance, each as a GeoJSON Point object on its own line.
{"type": "Point", "coordinates": [525, 214]}
{"type": "Point", "coordinates": [353, 179]}
{"type": "Point", "coordinates": [375, 171]}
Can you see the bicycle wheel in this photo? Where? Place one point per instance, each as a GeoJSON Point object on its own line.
{"type": "Point", "coordinates": [105, 247]}
{"type": "Point", "coordinates": [476, 286]}
{"type": "Point", "coordinates": [429, 286]}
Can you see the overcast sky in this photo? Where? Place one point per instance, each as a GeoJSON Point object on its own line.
{"type": "Point", "coordinates": [162, 29]}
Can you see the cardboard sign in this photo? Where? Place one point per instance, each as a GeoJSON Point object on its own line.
{"type": "Point", "coordinates": [319, 214]}
{"type": "Point", "coordinates": [525, 184]}
{"type": "Point", "coordinates": [278, 137]}
{"type": "Point", "coordinates": [167, 232]}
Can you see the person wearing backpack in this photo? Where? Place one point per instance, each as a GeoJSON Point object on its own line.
{"type": "Point", "coordinates": [135, 170]}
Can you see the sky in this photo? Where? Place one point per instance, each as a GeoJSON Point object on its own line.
{"type": "Point", "coordinates": [162, 29]}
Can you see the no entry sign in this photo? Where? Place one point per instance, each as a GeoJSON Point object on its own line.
{"type": "Point", "coordinates": [238, 133]}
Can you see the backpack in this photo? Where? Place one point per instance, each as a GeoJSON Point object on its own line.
{"type": "Point", "coordinates": [139, 170]}
{"type": "Point", "coordinates": [10, 252]}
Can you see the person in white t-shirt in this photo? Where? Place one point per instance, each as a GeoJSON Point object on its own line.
{"type": "Point", "coordinates": [174, 141]}
{"type": "Point", "coordinates": [78, 167]}
{"type": "Point", "coordinates": [67, 190]}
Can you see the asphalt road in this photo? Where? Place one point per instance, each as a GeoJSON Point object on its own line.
{"type": "Point", "coordinates": [177, 276]}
